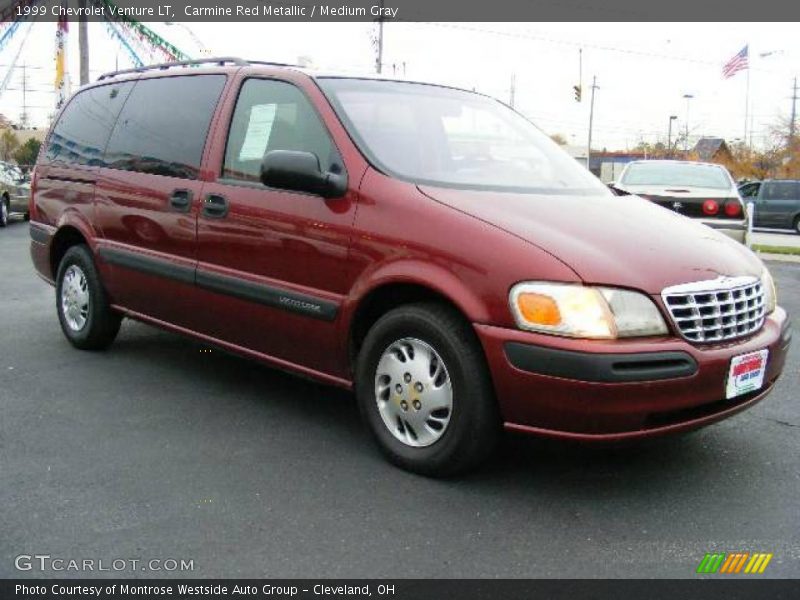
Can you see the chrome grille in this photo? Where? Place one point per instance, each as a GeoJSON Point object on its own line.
{"type": "Point", "coordinates": [721, 309]}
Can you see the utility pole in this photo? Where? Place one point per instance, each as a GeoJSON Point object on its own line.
{"type": "Point", "coordinates": [83, 42]}
{"type": "Point", "coordinates": [513, 92]}
{"type": "Point", "coordinates": [794, 113]}
{"type": "Point", "coordinates": [23, 118]}
{"type": "Point", "coordinates": [591, 122]}
{"type": "Point", "coordinates": [688, 98]}
{"type": "Point", "coordinates": [379, 58]}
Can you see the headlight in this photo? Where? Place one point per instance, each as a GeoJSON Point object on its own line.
{"type": "Point", "coordinates": [589, 312]}
{"type": "Point", "coordinates": [770, 292]}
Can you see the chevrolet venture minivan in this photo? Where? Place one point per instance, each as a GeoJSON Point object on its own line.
{"type": "Point", "coordinates": [427, 247]}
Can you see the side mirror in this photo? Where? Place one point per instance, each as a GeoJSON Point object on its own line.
{"type": "Point", "coordinates": [300, 172]}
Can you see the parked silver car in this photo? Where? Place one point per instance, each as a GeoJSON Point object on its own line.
{"type": "Point", "coordinates": [15, 190]}
{"type": "Point", "coordinates": [702, 191]}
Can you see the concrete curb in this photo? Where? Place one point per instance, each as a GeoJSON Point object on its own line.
{"type": "Point", "coordinates": [791, 258]}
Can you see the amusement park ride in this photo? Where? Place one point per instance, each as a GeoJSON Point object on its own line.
{"type": "Point", "coordinates": [141, 44]}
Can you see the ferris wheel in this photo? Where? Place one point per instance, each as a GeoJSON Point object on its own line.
{"type": "Point", "coordinates": [141, 44]}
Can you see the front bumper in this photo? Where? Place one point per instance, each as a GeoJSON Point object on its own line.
{"type": "Point", "coordinates": [611, 390]}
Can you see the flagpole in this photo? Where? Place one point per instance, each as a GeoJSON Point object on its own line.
{"type": "Point", "coordinates": [747, 102]}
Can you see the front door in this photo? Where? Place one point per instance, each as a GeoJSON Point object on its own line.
{"type": "Point", "coordinates": [272, 263]}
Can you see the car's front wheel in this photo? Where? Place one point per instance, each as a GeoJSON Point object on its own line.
{"type": "Point", "coordinates": [424, 390]}
{"type": "Point", "coordinates": [86, 317]}
{"type": "Point", "coordinates": [797, 224]}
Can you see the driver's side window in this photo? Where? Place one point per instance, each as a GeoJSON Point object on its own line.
{"type": "Point", "coordinates": [273, 115]}
{"type": "Point", "coordinates": [750, 190]}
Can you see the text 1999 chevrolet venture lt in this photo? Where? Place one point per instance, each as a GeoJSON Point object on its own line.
{"type": "Point", "coordinates": [426, 246]}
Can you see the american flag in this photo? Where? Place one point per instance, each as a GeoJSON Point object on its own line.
{"type": "Point", "coordinates": [736, 64]}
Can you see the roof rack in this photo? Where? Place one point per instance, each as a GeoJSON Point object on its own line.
{"type": "Point", "coordinates": [219, 61]}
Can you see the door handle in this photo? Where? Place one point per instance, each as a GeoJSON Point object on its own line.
{"type": "Point", "coordinates": [215, 206]}
{"type": "Point", "coordinates": [181, 200]}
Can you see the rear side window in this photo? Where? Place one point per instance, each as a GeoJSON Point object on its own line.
{"type": "Point", "coordinates": [781, 190]}
{"type": "Point", "coordinates": [273, 115]}
{"type": "Point", "coordinates": [163, 127]}
{"type": "Point", "coordinates": [82, 132]}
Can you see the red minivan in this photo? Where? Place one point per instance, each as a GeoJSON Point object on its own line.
{"type": "Point", "coordinates": [425, 246]}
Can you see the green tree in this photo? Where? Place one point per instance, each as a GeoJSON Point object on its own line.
{"type": "Point", "coordinates": [8, 143]}
{"type": "Point", "coordinates": [27, 153]}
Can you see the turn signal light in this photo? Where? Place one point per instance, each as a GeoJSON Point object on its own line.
{"type": "Point", "coordinates": [539, 309]}
{"type": "Point", "coordinates": [733, 208]}
{"type": "Point", "coordinates": [710, 207]}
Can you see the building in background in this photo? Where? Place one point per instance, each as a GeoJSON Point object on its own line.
{"type": "Point", "coordinates": [714, 150]}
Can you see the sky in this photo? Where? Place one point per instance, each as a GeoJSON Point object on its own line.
{"type": "Point", "coordinates": [643, 70]}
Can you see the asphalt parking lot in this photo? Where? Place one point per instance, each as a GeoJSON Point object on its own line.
{"type": "Point", "coordinates": [162, 449]}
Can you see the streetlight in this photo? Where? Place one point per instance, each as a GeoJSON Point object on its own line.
{"type": "Point", "coordinates": [669, 135]}
{"type": "Point", "coordinates": [688, 97]}
{"type": "Point", "coordinates": [200, 45]}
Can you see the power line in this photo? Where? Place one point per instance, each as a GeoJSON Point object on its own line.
{"type": "Point", "coordinates": [583, 44]}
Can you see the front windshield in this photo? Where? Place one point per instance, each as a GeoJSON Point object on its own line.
{"type": "Point", "coordinates": [676, 174]}
{"type": "Point", "coordinates": [441, 136]}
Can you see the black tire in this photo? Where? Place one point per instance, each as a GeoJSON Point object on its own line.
{"type": "Point", "coordinates": [5, 210]}
{"type": "Point", "coordinates": [797, 224]}
{"type": "Point", "coordinates": [27, 216]}
{"type": "Point", "coordinates": [474, 426]}
{"type": "Point", "coordinates": [101, 322]}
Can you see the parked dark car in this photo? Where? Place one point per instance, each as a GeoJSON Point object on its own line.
{"type": "Point", "coordinates": [776, 201]}
{"type": "Point", "coordinates": [427, 247]}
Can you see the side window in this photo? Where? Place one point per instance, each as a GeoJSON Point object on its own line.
{"type": "Point", "coordinates": [750, 190]}
{"type": "Point", "coordinates": [82, 132]}
{"type": "Point", "coordinates": [273, 115]}
{"type": "Point", "coordinates": [780, 190]}
{"type": "Point", "coordinates": [162, 129]}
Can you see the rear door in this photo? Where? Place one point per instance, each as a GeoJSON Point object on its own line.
{"type": "Point", "coordinates": [148, 193]}
{"type": "Point", "coordinates": [272, 263]}
{"type": "Point", "coordinates": [778, 203]}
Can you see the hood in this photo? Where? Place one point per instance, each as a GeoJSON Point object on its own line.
{"type": "Point", "coordinates": [623, 241]}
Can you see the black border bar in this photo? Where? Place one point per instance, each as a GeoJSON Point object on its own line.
{"type": "Point", "coordinates": [424, 10]}
{"type": "Point", "coordinates": [734, 587]}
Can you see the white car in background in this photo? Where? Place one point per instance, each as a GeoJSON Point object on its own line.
{"type": "Point", "coordinates": [702, 191]}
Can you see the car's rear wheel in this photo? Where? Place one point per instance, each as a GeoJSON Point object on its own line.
{"type": "Point", "coordinates": [4, 211]}
{"type": "Point", "coordinates": [424, 390]}
{"type": "Point", "coordinates": [86, 317]}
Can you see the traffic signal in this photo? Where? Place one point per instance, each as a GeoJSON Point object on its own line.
{"type": "Point", "coordinates": [577, 89]}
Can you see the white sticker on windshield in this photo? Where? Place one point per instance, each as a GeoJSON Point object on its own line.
{"type": "Point", "coordinates": [262, 116]}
